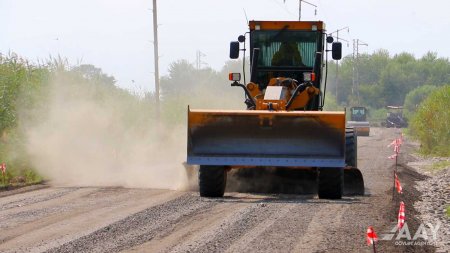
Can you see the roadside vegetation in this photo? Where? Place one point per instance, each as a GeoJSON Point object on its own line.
{"type": "Point", "coordinates": [431, 123]}
{"type": "Point", "coordinates": [438, 166]}
{"type": "Point", "coordinates": [18, 81]}
{"type": "Point", "coordinates": [26, 90]}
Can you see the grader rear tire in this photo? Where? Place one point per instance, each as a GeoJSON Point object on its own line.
{"type": "Point", "coordinates": [351, 145]}
{"type": "Point", "coordinates": [212, 181]}
{"type": "Point", "coordinates": [353, 179]}
{"type": "Point", "coordinates": [331, 183]}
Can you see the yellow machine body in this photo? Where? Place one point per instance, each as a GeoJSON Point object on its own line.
{"type": "Point", "coordinates": [282, 128]}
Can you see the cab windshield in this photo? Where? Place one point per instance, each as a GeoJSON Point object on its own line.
{"type": "Point", "coordinates": [286, 48]}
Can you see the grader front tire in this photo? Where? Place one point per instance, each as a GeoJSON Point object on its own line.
{"type": "Point", "coordinates": [212, 181]}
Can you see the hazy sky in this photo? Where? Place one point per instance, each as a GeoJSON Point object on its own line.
{"type": "Point", "coordinates": [117, 36]}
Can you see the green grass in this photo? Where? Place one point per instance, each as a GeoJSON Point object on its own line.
{"type": "Point", "coordinates": [448, 211]}
{"type": "Point", "coordinates": [438, 166]}
{"type": "Point", "coordinates": [20, 178]}
{"type": "Point", "coordinates": [31, 177]}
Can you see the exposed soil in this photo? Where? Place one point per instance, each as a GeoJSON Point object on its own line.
{"type": "Point", "coordinates": [91, 219]}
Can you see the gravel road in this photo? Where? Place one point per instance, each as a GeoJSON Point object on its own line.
{"type": "Point", "coordinates": [57, 219]}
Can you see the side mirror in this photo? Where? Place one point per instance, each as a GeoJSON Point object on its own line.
{"type": "Point", "coordinates": [336, 51]}
{"type": "Point", "coordinates": [234, 49]}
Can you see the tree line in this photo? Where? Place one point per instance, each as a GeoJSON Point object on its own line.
{"type": "Point", "coordinates": [385, 79]}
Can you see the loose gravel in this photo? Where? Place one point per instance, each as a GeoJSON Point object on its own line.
{"type": "Point", "coordinates": [435, 200]}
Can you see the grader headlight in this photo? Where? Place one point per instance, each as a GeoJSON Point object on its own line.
{"type": "Point", "coordinates": [236, 77]}
{"type": "Point", "coordinates": [309, 77]}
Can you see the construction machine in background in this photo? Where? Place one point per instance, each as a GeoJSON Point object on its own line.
{"type": "Point", "coordinates": [358, 121]}
{"type": "Point", "coordinates": [395, 117]}
{"type": "Point", "coordinates": [283, 125]}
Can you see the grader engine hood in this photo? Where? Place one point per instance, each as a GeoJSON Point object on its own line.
{"type": "Point", "coordinates": [266, 138]}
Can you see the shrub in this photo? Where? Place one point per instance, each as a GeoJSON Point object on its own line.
{"type": "Point", "coordinates": [431, 124]}
{"type": "Point", "coordinates": [414, 98]}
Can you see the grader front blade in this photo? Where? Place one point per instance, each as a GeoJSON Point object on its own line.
{"type": "Point", "coordinates": [266, 138]}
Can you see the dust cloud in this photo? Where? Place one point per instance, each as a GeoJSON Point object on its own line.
{"type": "Point", "coordinates": [85, 138]}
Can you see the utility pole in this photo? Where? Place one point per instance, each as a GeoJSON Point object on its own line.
{"type": "Point", "coordinates": [300, 8]}
{"type": "Point", "coordinates": [355, 77]}
{"type": "Point", "coordinates": [337, 63]}
{"type": "Point", "coordinates": [155, 47]}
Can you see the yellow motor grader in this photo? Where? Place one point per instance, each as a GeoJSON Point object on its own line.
{"type": "Point", "coordinates": [283, 125]}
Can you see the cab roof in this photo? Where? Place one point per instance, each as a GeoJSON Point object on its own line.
{"type": "Point", "coordinates": [290, 25]}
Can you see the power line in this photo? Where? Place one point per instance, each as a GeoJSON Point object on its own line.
{"type": "Point", "coordinates": [284, 8]}
{"type": "Point", "coordinates": [337, 63]}
{"type": "Point", "coordinates": [355, 69]}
